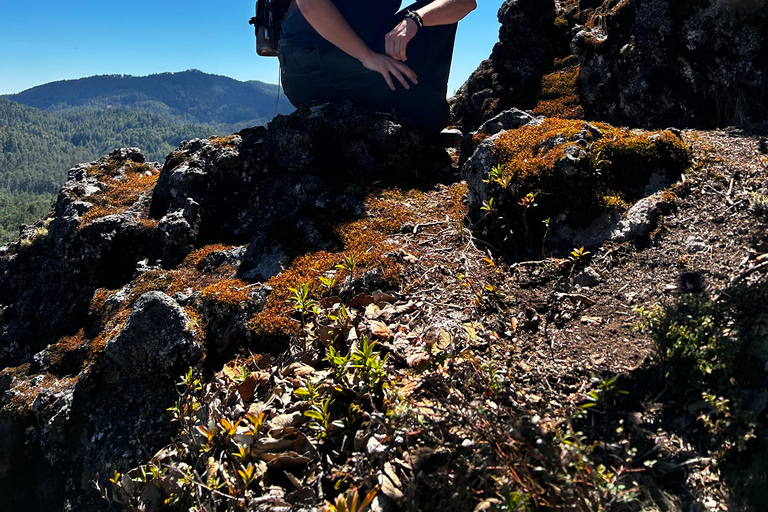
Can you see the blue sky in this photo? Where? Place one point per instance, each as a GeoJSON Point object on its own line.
{"type": "Point", "coordinates": [45, 41]}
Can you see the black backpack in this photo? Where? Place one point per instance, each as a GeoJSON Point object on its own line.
{"type": "Point", "coordinates": [267, 22]}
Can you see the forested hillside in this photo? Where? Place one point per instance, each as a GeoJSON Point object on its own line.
{"type": "Point", "coordinates": [186, 97]}
{"type": "Point", "coordinates": [47, 129]}
{"type": "Point", "coordinates": [37, 148]}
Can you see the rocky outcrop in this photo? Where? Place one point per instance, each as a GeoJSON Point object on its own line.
{"type": "Point", "coordinates": [639, 63]}
{"type": "Point", "coordinates": [141, 272]}
{"type": "Point", "coordinates": [568, 182]}
{"type": "Point", "coordinates": [675, 63]}
{"type": "Point", "coordinates": [511, 76]}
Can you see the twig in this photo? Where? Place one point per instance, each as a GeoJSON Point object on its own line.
{"type": "Point", "coordinates": [728, 199]}
{"type": "Point", "coordinates": [749, 272]}
{"type": "Point", "coordinates": [426, 224]}
{"type": "Point", "coordinates": [695, 460]}
{"type": "Point", "coordinates": [582, 298]}
{"type": "Point", "coordinates": [532, 263]}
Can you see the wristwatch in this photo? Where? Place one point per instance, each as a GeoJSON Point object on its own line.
{"type": "Point", "coordinates": [413, 15]}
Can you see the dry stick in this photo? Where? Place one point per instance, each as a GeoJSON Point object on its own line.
{"type": "Point", "coordinates": [749, 272]}
{"type": "Point", "coordinates": [728, 199]}
{"type": "Point", "coordinates": [426, 224]}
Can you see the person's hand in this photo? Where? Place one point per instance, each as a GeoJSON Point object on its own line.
{"type": "Point", "coordinates": [396, 41]}
{"type": "Point", "coordinates": [389, 67]}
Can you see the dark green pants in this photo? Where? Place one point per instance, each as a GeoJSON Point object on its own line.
{"type": "Point", "coordinates": [321, 73]}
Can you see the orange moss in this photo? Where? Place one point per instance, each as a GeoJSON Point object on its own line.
{"type": "Point", "coordinates": [196, 258]}
{"type": "Point", "coordinates": [61, 349]}
{"type": "Point", "coordinates": [121, 190]}
{"type": "Point", "coordinates": [25, 388]}
{"type": "Point", "coordinates": [560, 95]}
{"type": "Point", "coordinates": [228, 141]}
{"type": "Point", "coordinates": [149, 224]}
{"type": "Point", "coordinates": [523, 155]}
{"type": "Point", "coordinates": [365, 239]}
{"type": "Point", "coordinates": [196, 322]}
{"type": "Point", "coordinates": [227, 291]}
{"type": "Point", "coordinates": [620, 161]}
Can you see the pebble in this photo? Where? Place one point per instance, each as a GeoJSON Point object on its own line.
{"type": "Point", "coordinates": [694, 244]}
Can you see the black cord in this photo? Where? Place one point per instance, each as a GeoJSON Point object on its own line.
{"type": "Point", "coordinates": [279, 76]}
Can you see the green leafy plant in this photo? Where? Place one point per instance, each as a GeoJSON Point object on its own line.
{"type": "Point", "coordinates": [578, 255]}
{"type": "Point", "coordinates": [350, 502]}
{"type": "Point", "coordinates": [310, 392]}
{"type": "Point", "coordinates": [301, 300]}
{"type": "Point", "coordinates": [321, 414]}
{"type": "Point", "coordinates": [349, 264]}
{"type": "Point", "coordinates": [604, 395]}
{"type": "Point", "coordinates": [368, 364]}
{"type": "Point", "coordinates": [595, 485]}
{"type": "Point", "coordinates": [691, 345]}
{"type": "Point", "coordinates": [339, 363]}
{"type": "Point", "coordinates": [327, 282]}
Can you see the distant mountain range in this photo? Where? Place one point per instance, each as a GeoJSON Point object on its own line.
{"type": "Point", "coordinates": [47, 129]}
{"type": "Point", "coordinates": [188, 97]}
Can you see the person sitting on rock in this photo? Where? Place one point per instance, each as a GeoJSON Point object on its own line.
{"type": "Point", "coordinates": [367, 52]}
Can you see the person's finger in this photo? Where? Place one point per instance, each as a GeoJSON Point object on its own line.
{"type": "Point", "coordinates": [388, 79]}
{"type": "Point", "coordinates": [403, 46]}
{"type": "Point", "coordinates": [398, 53]}
{"type": "Point", "coordinates": [400, 78]}
{"type": "Point", "coordinates": [407, 71]}
{"type": "Point", "coordinates": [389, 45]}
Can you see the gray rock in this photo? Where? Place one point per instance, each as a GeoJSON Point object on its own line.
{"type": "Point", "coordinates": [651, 63]}
{"type": "Point", "coordinates": [587, 278]}
{"type": "Point", "coordinates": [511, 77]}
{"type": "Point", "coordinates": [509, 120]}
{"type": "Point", "coordinates": [694, 244]}
{"type": "Point", "coordinates": [639, 220]}
{"type": "Point", "coordinates": [156, 339]}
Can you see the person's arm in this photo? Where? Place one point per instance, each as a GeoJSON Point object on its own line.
{"type": "Point", "coordinates": [439, 12]}
{"type": "Point", "coordinates": [326, 19]}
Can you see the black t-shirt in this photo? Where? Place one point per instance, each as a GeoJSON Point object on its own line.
{"type": "Point", "coordinates": [370, 19]}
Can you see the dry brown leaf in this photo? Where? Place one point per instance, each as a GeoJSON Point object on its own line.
{"type": "Point", "coordinates": [247, 388]}
{"type": "Point", "coordinates": [284, 460]}
{"type": "Point", "coordinates": [268, 444]}
{"type": "Point", "coordinates": [416, 356]}
{"type": "Point", "coordinates": [372, 312]}
{"type": "Point", "coordinates": [390, 483]}
{"type": "Point", "coordinates": [379, 330]}
{"type": "Point", "coordinates": [288, 420]}
{"type": "Point", "coordinates": [443, 340]}
{"type": "Point", "coordinates": [294, 481]}
{"type": "Point", "coordinates": [360, 301]}
{"type": "Point", "coordinates": [329, 302]}
{"type": "Point", "coordinates": [380, 296]}
{"type": "Point", "coordinates": [408, 307]}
